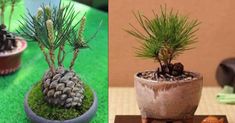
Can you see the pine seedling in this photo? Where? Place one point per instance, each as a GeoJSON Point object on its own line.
{"type": "Point", "coordinates": [165, 37]}
{"type": "Point", "coordinates": [52, 29]}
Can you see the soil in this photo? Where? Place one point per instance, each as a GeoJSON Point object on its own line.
{"type": "Point", "coordinates": [153, 75]}
{"type": "Point", "coordinates": [18, 46]}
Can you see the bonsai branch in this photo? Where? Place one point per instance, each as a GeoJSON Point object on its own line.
{"type": "Point", "coordinates": [75, 54]}
{"type": "Point", "coordinates": [61, 55]}
{"type": "Point", "coordinates": [11, 13]}
{"type": "Point", "coordinates": [52, 56]}
{"type": "Point", "coordinates": [47, 58]}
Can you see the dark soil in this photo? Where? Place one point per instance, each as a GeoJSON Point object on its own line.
{"type": "Point", "coordinates": [152, 75]}
{"type": "Point", "coordinates": [170, 72]}
{"type": "Point", "coordinates": [7, 40]}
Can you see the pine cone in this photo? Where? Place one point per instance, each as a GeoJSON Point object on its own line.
{"type": "Point", "coordinates": [177, 69]}
{"type": "Point", "coordinates": [166, 69]}
{"type": "Point", "coordinates": [64, 88]}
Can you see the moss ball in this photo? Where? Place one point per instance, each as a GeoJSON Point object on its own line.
{"type": "Point", "coordinates": [40, 107]}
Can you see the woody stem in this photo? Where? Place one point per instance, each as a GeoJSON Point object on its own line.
{"type": "Point", "coordinates": [74, 59]}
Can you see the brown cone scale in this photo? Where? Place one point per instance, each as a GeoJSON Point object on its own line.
{"type": "Point", "coordinates": [63, 88]}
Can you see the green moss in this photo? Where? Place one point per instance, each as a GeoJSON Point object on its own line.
{"type": "Point", "coordinates": [42, 108]}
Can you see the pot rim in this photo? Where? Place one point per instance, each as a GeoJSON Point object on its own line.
{"type": "Point", "coordinates": [83, 116]}
{"type": "Point", "coordinates": [19, 50]}
{"type": "Point", "coordinates": [199, 77]}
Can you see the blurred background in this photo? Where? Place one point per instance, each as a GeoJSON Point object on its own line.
{"type": "Point", "coordinates": [215, 37]}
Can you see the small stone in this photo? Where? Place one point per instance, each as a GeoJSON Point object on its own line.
{"type": "Point", "coordinates": [188, 78]}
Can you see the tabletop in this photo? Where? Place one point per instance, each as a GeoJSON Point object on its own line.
{"type": "Point", "coordinates": [91, 65]}
{"type": "Point", "coordinates": [122, 101]}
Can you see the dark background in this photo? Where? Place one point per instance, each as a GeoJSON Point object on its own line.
{"type": "Point", "coordinates": [98, 4]}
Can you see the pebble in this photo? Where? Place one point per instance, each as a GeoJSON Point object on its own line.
{"type": "Point", "coordinates": [151, 75]}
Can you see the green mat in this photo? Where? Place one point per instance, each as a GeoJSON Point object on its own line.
{"type": "Point", "coordinates": [91, 65]}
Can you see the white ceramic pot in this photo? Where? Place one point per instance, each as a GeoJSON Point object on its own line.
{"type": "Point", "coordinates": [168, 100]}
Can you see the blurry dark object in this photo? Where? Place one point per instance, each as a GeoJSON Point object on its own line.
{"type": "Point", "coordinates": [225, 73]}
{"type": "Point", "coordinates": [98, 4]}
{"type": "Point", "coordinates": [7, 40]}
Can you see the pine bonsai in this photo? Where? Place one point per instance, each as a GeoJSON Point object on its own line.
{"type": "Point", "coordinates": [52, 29]}
{"type": "Point", "coordinates": [7, 39]}
{"type": "Point", "coordinates": [166, 36]}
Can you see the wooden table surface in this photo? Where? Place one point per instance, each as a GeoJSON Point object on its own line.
{"type": "Point", "coordinates": [122, 101]}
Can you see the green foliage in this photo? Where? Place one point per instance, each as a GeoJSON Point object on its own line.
{"type": "Point", "coordinates": [53, 28]}
{"type": "Point", "coordinates": [63, 19]}
{"type": "Point", "coordinates": [3, 4]}
{"type": "Point", "coordinates": [40, 107]}
{"type": "Point", "coordinates": [166, 36]}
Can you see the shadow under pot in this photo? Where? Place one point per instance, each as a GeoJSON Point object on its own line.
{"type": "Point", "coordinates": [168, 100]}
{"type": "Point", "coordinates": [10, 60]}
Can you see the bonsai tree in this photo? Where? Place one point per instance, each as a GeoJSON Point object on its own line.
{"type": "Point", "coordinates": [52, 29]}
{"type": "Point", "coordinates": [7, 39]}
{"type": "Point", "coordinates": [173, 93]}
{"type": "Point", "coordinates": [163, 39]}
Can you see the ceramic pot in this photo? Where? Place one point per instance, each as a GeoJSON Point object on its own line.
{"type": "Point", "coordinates": [10, 61]}
{"type": "Point", "coordinates": [168, 100]}
{"type": "Point", "coordinates": [84, 118]}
